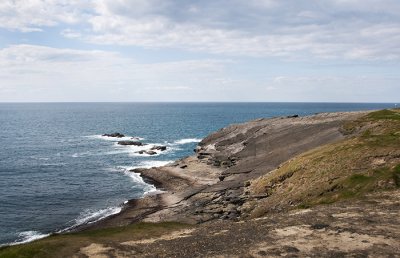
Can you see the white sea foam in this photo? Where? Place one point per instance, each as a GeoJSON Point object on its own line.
{"type": "Point", "coordinates": [82, 154]}
{"type": "Point", "coordinates": [91, 216]}
{"type": "Point", "coordinates": [148, 164]}
{"type": "Point", "coordinates": [28, 236]}
{"type": "Point", "coordinates": [137, 179]}
{"type": "Point", "coordinates": [186, 141]}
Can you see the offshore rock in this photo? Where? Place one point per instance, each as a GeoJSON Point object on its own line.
{"type": "Point", "coordinates": [117, 135]}
{"type": "Point", "coordinates": [135, 143]}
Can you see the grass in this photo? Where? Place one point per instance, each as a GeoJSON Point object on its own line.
{"type": "Point", "coordinates": [67, 245]}
{"type": "Point", "coordinates": [384, 114]}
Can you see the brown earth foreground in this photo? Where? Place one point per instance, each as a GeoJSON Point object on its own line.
{"type": "Point", "coordinates": [325, 185]}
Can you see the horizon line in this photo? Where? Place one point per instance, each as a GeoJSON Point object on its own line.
{"type": "Point", "coordinates": [193, 102]}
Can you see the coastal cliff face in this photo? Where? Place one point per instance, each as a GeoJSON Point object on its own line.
{"type": "Point", "coordinates": [322, 185]}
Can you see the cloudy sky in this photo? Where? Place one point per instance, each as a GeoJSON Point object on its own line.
{"type": "Point", "coordinates": [209, 50]}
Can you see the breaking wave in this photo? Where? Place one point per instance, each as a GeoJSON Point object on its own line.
{"type": "Point", "coordinates": [28, 236]}
{"type": "Point", "coordinates": [186, 141]}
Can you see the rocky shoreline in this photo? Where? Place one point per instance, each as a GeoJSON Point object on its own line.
{"type": "Point", "coordinates": [326, 185]}
{"type": "Point", "coordinates": [211, 185]}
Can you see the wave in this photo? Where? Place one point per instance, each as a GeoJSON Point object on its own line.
{"type": "Point", "coordinates": [148, 164]}
{"type": "Point", "coordinates": [91, 216]}
{"type": "Point", "coordinates": [136, 177]}
{"type": "Point", "coordinates": [186, 141]}
{"type": "Point", "coordinates": [28, 236]}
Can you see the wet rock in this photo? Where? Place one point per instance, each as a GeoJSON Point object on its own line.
{"type": "Point", "coordinates": [134, 143]}
{"type": "Point", "coordinates": [159, 147]}
{"type": "Point", "coordinates": [183, 166]}
{"type": "Point", "coordinates": [148, 152]}
{"type": "Point", "coordinates": [117, 135]}
{"type": "Point", "coordinates": [292, 116]}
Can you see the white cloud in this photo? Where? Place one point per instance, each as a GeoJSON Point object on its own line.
{"type": "Point", "coordinates": [332, 29]}
{"type": "Point", "coordinates": [34, 15]}
{"type": "Point", "coordinates": [29, 72]}
{"type": "Point", "coordinates": [351, 29]}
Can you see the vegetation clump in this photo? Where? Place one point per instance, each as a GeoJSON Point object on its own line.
{"type": "Point", "coordinates": [66, 245]}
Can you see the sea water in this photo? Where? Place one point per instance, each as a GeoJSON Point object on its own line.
{"type": "Point", "coordinates": [57, 171]}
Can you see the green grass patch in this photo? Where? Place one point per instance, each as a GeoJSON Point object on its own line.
{"type": "Point", "coordinates": [381, 140]}
{"type": "Point", "coordinates": [384, 114]}
{"type": "Point", "coordinates": [66, 245]}
{"type": "Point", "coordinates": [357, 185]}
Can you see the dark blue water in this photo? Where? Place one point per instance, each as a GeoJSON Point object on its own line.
{"type": "Point", "coordinates": [57, 172]}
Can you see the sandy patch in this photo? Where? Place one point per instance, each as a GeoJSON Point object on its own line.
{"type": "Point", "coordinates": [173, 235]}
{"type": "Point", "coordinates": [306, 239]}
{"type": "Point", "coordinates": [96, 251]}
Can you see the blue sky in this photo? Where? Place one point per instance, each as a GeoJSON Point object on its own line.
{"type": "Point", "coordinates": [210, 50]}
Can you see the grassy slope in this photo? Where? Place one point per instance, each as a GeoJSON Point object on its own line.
{"type": "Point", "coordinates": [69, 244]}
{"type": "Point", "coordinates": [369, 161]}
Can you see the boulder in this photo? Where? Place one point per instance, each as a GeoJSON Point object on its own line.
{"type": "Point", "coordinates": [135, 143]}
{"type": "Point", "coordinates": [117, 135]}
{"type": "Point", "coordinates": [159, 147]}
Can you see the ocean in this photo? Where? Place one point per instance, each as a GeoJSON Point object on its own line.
{"type": "Point", "coordinates": [58, 172]}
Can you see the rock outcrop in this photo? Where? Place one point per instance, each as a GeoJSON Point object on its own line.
{"type": "Point", "coordinates": [148, 152]}
{"type": "Point", "coordinates": [116, 135]}
{"type": "Point", "coordinates": [134, 143]}
{"type": "Point", "coordinates": [159, 147]}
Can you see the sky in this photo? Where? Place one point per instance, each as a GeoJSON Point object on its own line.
{"type": "Point", "coordinates": [209, 50]}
